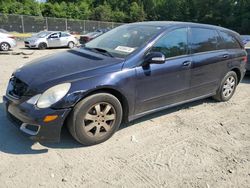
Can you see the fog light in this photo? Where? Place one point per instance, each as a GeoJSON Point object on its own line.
{"type": "Point", "coordinates": [50, 118]}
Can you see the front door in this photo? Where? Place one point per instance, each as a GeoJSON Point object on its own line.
{"type": "Point", "coordinates": [160, 85]}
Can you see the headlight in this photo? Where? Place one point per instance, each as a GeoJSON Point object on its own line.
{"type": "Point", "coordinates": [50, 96]}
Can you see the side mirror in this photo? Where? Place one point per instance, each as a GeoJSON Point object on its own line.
{"type": "Point", "coordinates": [154, 58]}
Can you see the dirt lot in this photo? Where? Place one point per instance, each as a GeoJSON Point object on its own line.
{"type": "Point", "coordinates": [200, 144]}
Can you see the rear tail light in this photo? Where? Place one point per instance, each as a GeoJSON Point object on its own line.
{"type": "Point", "coordinates": [244, 59]}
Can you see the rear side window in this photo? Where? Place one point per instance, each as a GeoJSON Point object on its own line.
{"type": "Point", "coordinates": [65, 35]}
{"type": "Point", "coordinates": [228, 41]}
{"type": "Point", "coordinates": [174, 43]}
{"type": "Point", "coordinates": [203, 40]}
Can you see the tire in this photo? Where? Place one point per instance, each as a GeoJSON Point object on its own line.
{"type": "Point", "coordinates": [42, 46]}
{"type": "Point", "coordinates": [71, 44]}
{"type": "Point", "coordinates": [4, 46]}
{"type": "Point", "coordinates": [227, 87]}
{"type": "Point", "coordinates": [89, 124]}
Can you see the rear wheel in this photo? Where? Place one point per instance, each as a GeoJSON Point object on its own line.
{"type": "Point", "coordinates": [4, 46]}
{"type": "Point", "coordinates": [227, 87]}
{"type": "Point", "coordinates": [71, 44]}
{"type": "Point", "coordinates": [95, 119]}
{"type": "Point", "coordinates": [42, 46]}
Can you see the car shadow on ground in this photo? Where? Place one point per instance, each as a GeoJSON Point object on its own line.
{"type": "Point", "coordinates": [12, 141]}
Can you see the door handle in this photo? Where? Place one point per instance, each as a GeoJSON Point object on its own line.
{"type": "Point", "coordinates": [186, 63]}
{"type": "Point", "coordinates": [225, 56]}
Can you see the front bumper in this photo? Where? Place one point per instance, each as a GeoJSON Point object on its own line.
{"type": "Point", "coordinates": [29, 120]}
{"type": "Point", "coordinates": [30, 45]}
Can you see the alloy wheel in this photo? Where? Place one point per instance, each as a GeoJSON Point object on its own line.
{"type": "Point", "coordinates": [71, 45]}
{"type": "Point", "coordinates": [99, 119]}
{"type": "Point", "coordinates": [229, 86]}
{"type": "Point", "coordinates": [4, 46]}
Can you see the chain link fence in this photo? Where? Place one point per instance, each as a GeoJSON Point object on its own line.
{"type": "Point", "coordinates": [33, 24]}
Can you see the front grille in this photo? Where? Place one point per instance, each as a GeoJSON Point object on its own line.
{"type": "Point", "coordinates": [17, 87]}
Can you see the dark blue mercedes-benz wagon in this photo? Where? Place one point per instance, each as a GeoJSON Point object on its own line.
{"type": "Point", "coordinates": [126, 73]}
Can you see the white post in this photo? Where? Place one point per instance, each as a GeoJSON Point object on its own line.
{"type": "Point", "coordinates": [46, 20]}
{"type": "Point", "coordinates": [22, 23]}
{"type": "Point", "coordinates": [66, 24]}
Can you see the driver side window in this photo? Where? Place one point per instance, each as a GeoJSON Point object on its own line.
{"type": "Point", "coordinates": [174, 43]}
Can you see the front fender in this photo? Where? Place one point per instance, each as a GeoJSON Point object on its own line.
{"type": "Point", "coordinates": [122, 81]}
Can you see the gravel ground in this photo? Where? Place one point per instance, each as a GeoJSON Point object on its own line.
{"type": "Point", "coordinates": [199, 144]}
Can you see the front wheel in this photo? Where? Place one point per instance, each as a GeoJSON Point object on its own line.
{"type": "Point", "coordinates": [227, 87]}
{"type": "Point", "coordinates": [42, 46]}
{"type": "Point", "coordinates": [95, 119]}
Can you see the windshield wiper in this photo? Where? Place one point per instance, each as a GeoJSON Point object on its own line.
{"type": "Point", "coordinates": [100, 50]}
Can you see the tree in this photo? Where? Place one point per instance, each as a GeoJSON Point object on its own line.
{"type": "Point", "coordinates": [102, 13]}
{"type": "Point", "coordinates": [233, 14]}
{"type": "Point", "coordinates": [136, 13]}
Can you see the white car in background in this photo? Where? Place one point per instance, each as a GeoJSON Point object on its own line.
{"type": "Point", "coordinates": [51, 39]}
{"type": "Point", "coordinates": [7, 41]}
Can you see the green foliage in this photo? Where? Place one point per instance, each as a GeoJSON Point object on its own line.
{"type": "Point", "coordinates": [233, 14]}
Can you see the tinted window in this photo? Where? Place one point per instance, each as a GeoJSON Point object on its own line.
{"type": "Point", "coordinates": [229, 42]}
{"type": "Point", "coordinates": [203, 40]}
{"type": "Point", "coordinates": [173, 43]}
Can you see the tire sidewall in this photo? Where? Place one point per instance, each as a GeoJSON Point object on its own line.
{"type": "Point", "coordinates": [2, 44]}
{"type": "Point", "coordinates": [231, 73]}
{"type": "Point", "coordinates": [69, 44]}
{"type": "Point", "coordinates": [42, 46]}
{"type": "Point", "coordinates": [83, 108]}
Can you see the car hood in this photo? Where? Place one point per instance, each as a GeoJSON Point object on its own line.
{"type": "Point", "coordinates": [32, 38]}
{"type": "Point", "coordinates": [65, 67]}
{"type": "Point", "coordinates": [4, 35]}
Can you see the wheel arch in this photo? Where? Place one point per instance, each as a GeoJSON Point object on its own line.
{"type": "Point", "coordinates": [238, 73]}
{"type": "Point", "coordinates": [123, 100]}
{"type": "Point", "coordinates": [43, 42]}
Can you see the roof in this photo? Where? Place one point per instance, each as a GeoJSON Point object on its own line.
{"type": "Point", "coordinates": [177, 23]}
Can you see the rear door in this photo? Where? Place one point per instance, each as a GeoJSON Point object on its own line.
{"type": "Point", "coordinates": [64, 39]}
{"type": "Point", "coordinates": [234, 49]}
{"type": "Point", "coordinates": [209, 61]}
{"type": "Point", "coordinates": [54, 40]}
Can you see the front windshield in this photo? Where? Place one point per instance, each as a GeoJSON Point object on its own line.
{"type": "Point", "coordinates": [123, 40]}
{"type": "Point", "coordinates": [42, 34]}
